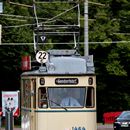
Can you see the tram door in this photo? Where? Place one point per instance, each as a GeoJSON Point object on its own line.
{"type": "Point", "coordinates": [33, 105]}
{"type": "Point", "coordinates": [28, 103]}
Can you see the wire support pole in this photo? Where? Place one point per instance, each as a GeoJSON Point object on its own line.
{"type": "Point", "coordinates": [86, 46]}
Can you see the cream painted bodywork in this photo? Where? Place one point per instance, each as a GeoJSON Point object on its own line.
{"type": "Point", "coordinates": [66, 120]}
{"type": "Point", "coordinates": [83, 81]}
{"type": "Point", "coordinates": [60, 119]}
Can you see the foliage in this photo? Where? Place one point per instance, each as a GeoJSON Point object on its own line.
{"type": "Point", "coordinates": [108, 31]}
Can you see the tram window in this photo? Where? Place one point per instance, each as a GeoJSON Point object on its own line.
{"type": "Point", "coordinates": [42, 98]}
{"type": "Point", "coordinates": [90, 97]}
{"type": "Point", "coordinates": [66, 97]}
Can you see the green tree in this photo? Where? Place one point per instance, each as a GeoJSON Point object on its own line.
{"type": "Point", "coordinates": [108, 29]}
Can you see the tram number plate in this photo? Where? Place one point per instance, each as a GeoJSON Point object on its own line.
{"type": "Point", "coordinates": [78, 128]}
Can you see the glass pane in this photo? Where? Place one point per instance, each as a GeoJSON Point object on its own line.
{"type": "Point", "coordinates": [42, 98]}
{"type": "Point", "coordinates": [26, 98]}
{"type": "Point", "coordinates": [66, 97]}
{"type": "Point", "coordinates": [125, 114]}
{"type": "Point", "coordinates": [90, 97]}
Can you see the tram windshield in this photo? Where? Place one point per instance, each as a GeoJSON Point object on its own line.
{"type": "Point", "coordinates": [66, 97]}
{"type": "Point", "coordinates": [60, 97]}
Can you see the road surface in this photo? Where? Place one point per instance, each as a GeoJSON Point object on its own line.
{"type": "Point", "coordinates": [99, 127]}
{"type": "Point", "coordinates": [104, 127]}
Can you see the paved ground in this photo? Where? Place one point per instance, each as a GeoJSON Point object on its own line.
{"type": "Point", "coordinates": [13, 129]}
{"type": "Point", "coordinates": [104, 127]}
{"type": "Point", "coordinates": [99, 127]}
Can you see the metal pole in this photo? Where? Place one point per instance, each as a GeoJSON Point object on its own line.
{"type": "Point", "coordinates": [0, 33]}
{"type": "Point", "coordinates": [9, 120]}
{"type": "Point", "coordinates": [0, 121]}
{"type": "Point", "coordinates": [86, 46]}
{"type": "Point", "coordinates": [1, 11]}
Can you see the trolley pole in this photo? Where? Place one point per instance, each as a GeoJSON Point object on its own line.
{"type": "Point", "coordinates": [86, 46]}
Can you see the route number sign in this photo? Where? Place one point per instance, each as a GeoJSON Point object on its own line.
{"type": "Point", "coordinates": [42, 57]}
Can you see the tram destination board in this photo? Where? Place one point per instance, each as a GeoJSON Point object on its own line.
{"type": "Point", "coordinates": [66, 81]}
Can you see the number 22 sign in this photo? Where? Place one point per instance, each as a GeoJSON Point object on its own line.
{"type": "Point", "coordinates": [42, 56]}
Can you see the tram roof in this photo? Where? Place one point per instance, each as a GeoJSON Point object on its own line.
{"type": "Point", "coordinates": [36, 73]}
{"type": "Point", "coordinates": [63, 65]}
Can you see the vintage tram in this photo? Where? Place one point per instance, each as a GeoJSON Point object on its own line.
{"type": "Point", "coordinates": [59, 95]}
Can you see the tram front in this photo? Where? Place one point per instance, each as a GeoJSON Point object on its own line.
{"type": "Point", "coordinates": [64, 96]}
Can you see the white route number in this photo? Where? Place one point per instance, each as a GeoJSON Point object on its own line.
{"type": "Point", "coordinates": [42, 56]}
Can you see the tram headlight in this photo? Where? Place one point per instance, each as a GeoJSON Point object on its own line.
{"type": "Point", "coordinates": [42, 81]}
{"type": "Point", "coordinates": [51, 67]}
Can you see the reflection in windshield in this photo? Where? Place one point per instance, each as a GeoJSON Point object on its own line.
{"type": "Point", "coordinates": [66, 97]}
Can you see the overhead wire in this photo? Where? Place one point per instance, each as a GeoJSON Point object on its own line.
{"type": "Point", "coordinates": [45, 22]}
{"type": "Point", "coordinates": [53, 20]}
{"type": "Point", "coordinates": [23, 25]}
{"type": "Point", "coordinates": [20, 16]}
{"type": "Point", "coordinates": [14, 3]}
{"type": "Point", "coordinates": [62, 13]}
{"type": "Point", "coordinates": [109, 42]}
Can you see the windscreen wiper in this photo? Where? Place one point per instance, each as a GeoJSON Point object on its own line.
{"type": "Point", "coordinates": [57, 104]}
{"type": "Point", "coordinates": [47, 98]}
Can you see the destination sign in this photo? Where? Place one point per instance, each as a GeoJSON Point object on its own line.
{"type": "Point", "coordinates": [66, 81]}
